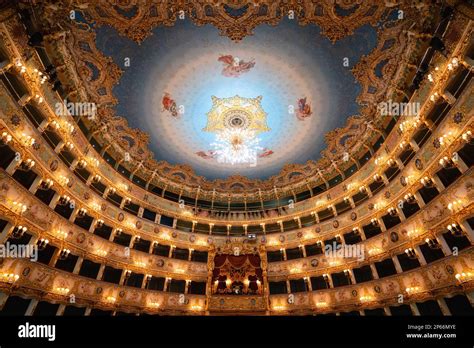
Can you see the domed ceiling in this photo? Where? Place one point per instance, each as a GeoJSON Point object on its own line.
{"type": "Point", "coordinates": [282, 88]}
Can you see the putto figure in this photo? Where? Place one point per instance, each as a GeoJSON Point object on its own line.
{"type": "Point", "coordinates": [304, 109]}
{"type": "Point", "coordinates": [169, 104]}
{"type": "Point", "coordinates": [234, 67]}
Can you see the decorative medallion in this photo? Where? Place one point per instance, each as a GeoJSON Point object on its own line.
{"type": "Point", "coordinates": [122, 293]}
{"type": "Point", "coordinates": [403, 181]}
{"type": "Point", "coordinates": [138, 224]}
{"type": "Point", "coordinates": [98, 290]}
{"type": "Point", "coordinates": [81, 237]}
{"type": "Point", "coordinates": [449, 269]}
{"type": "Point", "coordinates": [53, 166]}
{"type": "Point", "coordinates": [335, 224]}
{"type": "Point", "coordinates": [353, 216]}
{"type": "Point", "coordinates": [15, 120]}
{"type": "Point", "coordinates": [370, 206]}
{"type": "Point", "coordinates": [281, 238]}
{"type": "Point", "coordinates": [436, 143]}
{"type": "Point", "coordinates": [174, 234]}
{"type": "Point", "coordinates": [160, 263]}
{"type": "Point", "coordinates": [394, 237]}
{"type": "Point", "coordinates": [354, 293]}
{"type": "Point", "coordinates": [120, 217]}
{"type": "Point", "coordinates": [192, 238]}
{"type": "Point", "coordinates": [299, 234]}
{"type": "Point", "coordinates": [317, 229]}
{"type": "Point", "coordinates": [377, 289]}
{"type": "Point", "coordinates": [236, 113]}
{"type": "Point", "coordinates": [387, 194]}
{"type": "Point", "coordinates": [26, 271]}
{"type": "Point", "coordinates": [314, 262]}
{"type": "Point", "coordinates": [419, 164]}
{"type": "Point", "coordinates": [458, 117]}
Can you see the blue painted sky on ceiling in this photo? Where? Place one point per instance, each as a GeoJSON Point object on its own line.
{"type": "Point", "coordinates": [291, 62]}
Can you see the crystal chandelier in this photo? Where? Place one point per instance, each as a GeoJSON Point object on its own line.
{"type": "Point", "coordinates": [236, 146]}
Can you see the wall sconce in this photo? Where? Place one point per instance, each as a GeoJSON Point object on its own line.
{"type": "Point", "coordinates": [118, 231]}
{"type": "Point", "coordinates": [319, 243]}
{"type": "Point", "coordinates": [455, 230]}
{"type": "Point", "coordinates": [101, 252]}
{"type": "Point", "coordinates": [39, 98]}
{"type": "Point", "coordinates": [46, 184]}
{"type": "Point", "coordinates": [96, 179]}
{"type": "Point", "coordinates": [412, 290]}
{"type": "Point", "coordinates": [28, 140]}
{"type": "Point", "coordinates": [427, 181]}
{"type": "Point", "coordinates": [27, 164]}
{"type": "Point", "coordinates": [362, 189]}
{"type": "Point", "coordinates": [455, 205]}
{"type": "Point", "coordinates": [82, 212]}
{"type": "Point", "coordinates": [42, 243]}
{"type": "Point", "coordinates": [64, 199]}
{"type": "Point", "coordinates": [434, 96]}
{"type": "Point", "coordinates": [338, 238]}
{"type": "Point", "coordinates": [62, 291]}
{"type": "Point", "coordinates": [411, 253]}
{"type": "Point", "coordinates": [377, 177]}
{"type": "Point", "coordinates": [69, 146]}
{"type": "Point", "coordinates": [64, 254]}
{"type": "Point", "coordinates": [6, 138]}
{"type": "Point", "coordinates": [127, 274]}
{"type": "Point", "coordinates": [82, 164]}
{"type": "Point", "coordinates": [99, 223]}
{"type": "Point", "coordinates": [9, 277]}
{"type": "Point", "coordinates": [19, 207]}
{"type": "Point", "coordinates": [365, 298]}
{"type": "Point", "coordinates": [391, 162]}
{"type": "Point", "coordinates": [111, 191]}
{"type": "Point", "coordinates": [154, 304]}
{"type": "Point", "coordinates": [321, 304]}
{"type": "Point", "coordinates": [433, 243]}
{"type": "Point", "coordinates": [464, 276]}
{"type": "Point", "coordinates": [19, 231]}
{"type": "Point", "coordinates": [111, 299]}
{"type": "Point", "coordinates": [446, 162]}
{"type": "Point", "coordinates": [392, 211]}
{"type": "Point", "coordinates": [346, 200]}
{"type": "Point", "coordinates": [127, 200]}
{"type": "Point", "coordinates": [409, 198]}
{"type": "Point", "coordinates": [467, 137]}
{"type": "Point", "coordinates": [374, 222]}
{"type": "Point", "coordinates": [356, 231]}
{"type": "Point", "coordinates": [347, 273]}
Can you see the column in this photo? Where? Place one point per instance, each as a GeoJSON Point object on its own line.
{"type": "Point", "coordinates": [414, 309]}
{"type": "Point", "coordinates": [34, 186]}
{"type": "Point", "coordinates": [397, 264]}
{"type": "Point", "coordinates": [303, 249]}
{"type": "Point", "coordinates": [444, 307]}
{"type": "Point", "coordinates": [437, 181]}
{"type": "Point", "coordinates": [101, 272]}
{"type": "Point", "coordinates": [461, 165]}
{"type": "Point", "coordinates": [375, 274]}
{"type": "Point", "coordinates": [420, 255]}
{"type": "Point", "coordinates": [351, 276]}
{"type": "Point", "coordinates": [60, 310]}
{"type": "Point", "coordinates": [362, 313]}
{"type": "Point", "coordinates": [387, 311]}
{"type": "Point", "coordinates": [444, 245]}
{"type": "Point", "coordinates": [190, 254]}
{"type": "Point", "coordinates": [78, 265]}
{"type": "Point", "coordinates": [31, 308]}
{"type": "Point", "coordinates": [5, 233]}
{"type": "Point", "coordinates": [288, 286]}
{"type": "Point", "coordinates": [54, 257]}
{"type": "Point", "coordinates": [329, 280]}
{"type": "Point", "coordinates": [87, 312]}
{"type": "Point", "coordinates": [284, 254]}
{"type": "Point", "coordinates": [13, 166]}
{"type": "Point", "coordinates": [54, 200]}
{"type": "Point", "coordinates": [3, 299]}
{"type": "Point", "coordinates": [165, 286]}
{"type": "Point", "coordinates": [468, 230]}
{"type": "Point", "coordinates": [308, 283]}
{"type": "Point", "coordinates": [186, 287]}
{"type": "Point", "coordinates": [419, 199]}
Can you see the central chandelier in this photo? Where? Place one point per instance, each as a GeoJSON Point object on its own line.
{"type": "Point", "coordinates": [236, 146]}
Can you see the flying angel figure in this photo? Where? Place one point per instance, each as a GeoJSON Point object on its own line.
{"type": "Point", "coordinates": [233, 66]}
